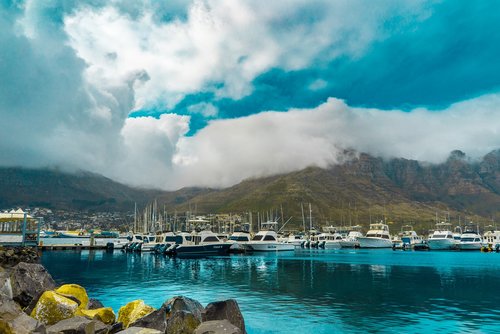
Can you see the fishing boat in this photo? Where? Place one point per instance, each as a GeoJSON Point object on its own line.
{"type": "Point", "coordinates": [297, 240]}
{"type": "Point", "coordinates": [470, 239]}
{"type": "Point", "coordinates": [238, 240]}
{"type": "Point", "coordinates": [377, 237]}
{"type": "Point", "coordinates": [200, 244]}
{"type": "Point", "coordinates": [491, 236]}
{"type": "Point", "coordinates": [351, 239]}
{"type": "Point", "coordinates": [266, 240]}
{"type": "Point", "coordinates": [81, 234]}
{"type": "Point", "coordinates": [330, 239]}
{"type": "Point", "coordinates": [409, 237]}
{"type": "Point", "coordinates": [442, 238]}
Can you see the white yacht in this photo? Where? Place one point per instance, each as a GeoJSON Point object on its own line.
{"type": "Point", "coordinates": [295, 239]}
{"type": "Point", "coordinates": [238, 240]}
{"type": "Point", "coordinates": [491, 236]}
{"type": "Point", "coordinates": [204, 243]}
{"type": "Point", "coordinates": [409, 237]}
{"type": "Point", "coordinates": [442, 238]}
{"type": "Point", "coordinates": [351, 240]}
{"type": "Point", "coordinates": [377, 237]}
{"type": "Point", "coordinates": [266, 240]}
{"type": "Point", "coordinates": [470, 239]}
{"type": "Point", "coordinates": [330, 239]}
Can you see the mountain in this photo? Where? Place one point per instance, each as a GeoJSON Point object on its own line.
{"type": "Point", "coordinates": [364, 188]}
{"type": "Point", "coordinates": [52, 188]}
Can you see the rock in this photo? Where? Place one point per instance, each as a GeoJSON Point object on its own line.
{"type": "Point", "coordinates": [182, 322]}
{"type": "Point", "coordinates": [94, 304]}
{"type": "Point", "coordinates": [75, 325]}
{"type": "Point", "coordinates": [14, 320]}
{"type": "Point", "coordinates": [52, 308]}
{"type": "Point", "coordinates": [29, 281]}
{"type": "Point", "coordinates": [140, 330]}
{"type": "Point", "coordinates": [133, 311]}
{"type": "Point", "coordinates": [154, 320]}
{"type": "Point", "coordinates": [116, 327]}
{"type": "Point", "coordinates": [227, 309]}
{"type": "Point", "coordinates": [217, 327]}
{"type": "Point", "coordinates": [5, 285]}
{"type": "Point", "coordinates": [75, 290]}
{"type": "Point", "coordinates": [104, 314]}
{"type": "Point", "coordinates": [180, 303]}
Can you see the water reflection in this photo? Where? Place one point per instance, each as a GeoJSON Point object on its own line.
{"type": "Point", "coordinates": [316, 291]}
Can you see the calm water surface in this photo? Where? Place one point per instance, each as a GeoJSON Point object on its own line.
{"type": "Point", "coordinates": [308, 291]}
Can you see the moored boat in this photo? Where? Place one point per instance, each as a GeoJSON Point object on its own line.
{"type": "Point", "coordinates": [470, 239]}
{"type": "Point", "coordinates": [442, 238]}
{"type": "Point", "coordinates": [204, 243]}
{"type": "Point", "coordinates": [377, 237]}
{"type": "Point", "coordinates": [266, 240]}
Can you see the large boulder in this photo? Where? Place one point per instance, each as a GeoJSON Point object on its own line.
{"type": "Point", "coordinates": [226, 309]}
{"type": "Point", "coordinates": [29, 281]}
{"type": "Point", "coordinates": [103, 314]}
{"type": "Point", "coordinates": [76, 291]}
{"type": "Point", "coordinates": [217, 327]}
{"type": "Point", "coordinates": [14, 321]}
{"type": "Point", "coordinates": [52, 308]}
{"type": "Point", "coordinates": [154, 320]}
{"type": "Point", "coordinates": [78, 325]}
{"type": "Point", "coordinates": [180, 303]}
{"type": "Point", "coordinates": [182, 322]}
{"type": "Point", "coordinates": [133, 311]}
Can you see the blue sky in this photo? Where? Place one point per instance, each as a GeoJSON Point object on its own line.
{"type": "Point", "coordinates": [178, 93]}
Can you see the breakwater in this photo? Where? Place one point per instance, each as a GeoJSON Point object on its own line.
{"type": "Point", "coordinates": [32, 302]}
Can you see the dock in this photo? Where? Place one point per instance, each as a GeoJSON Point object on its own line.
{"type": "Point", "coordinates": [71, 247]}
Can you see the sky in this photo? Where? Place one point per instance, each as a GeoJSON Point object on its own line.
{"type": "Point", "coordinates": [169, 94]}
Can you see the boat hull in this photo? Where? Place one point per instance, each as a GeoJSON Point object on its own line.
{"type": "Point", "coordinates": [470, 246]}
{"type": "Point", "coordinates": [442, 244]}
{"type": "Point", "coordinates": [368, 242]}
{"type": "Point", "coordinates": [203, 250]}
{"type": "Point", "coordinates": [349, 243]}
{"type": "Point", "coordinates": [332, 245]}
{"type": "Point", "coordinates": [269, 247]}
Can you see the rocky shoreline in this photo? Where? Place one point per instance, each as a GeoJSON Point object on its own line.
{"type": "Point", "coordinates": [31, 302]}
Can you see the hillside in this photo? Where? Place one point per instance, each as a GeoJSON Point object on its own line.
{"type": "Point", "coordinates": [79, 191]}
{"type": "Point", "coordinates": [365, 188]}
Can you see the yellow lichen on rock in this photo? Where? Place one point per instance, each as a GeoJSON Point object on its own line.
{"type": "Point", "coordinates": [52, 308]}
{"type": "Point", "coordinates": [103, 314]}
{"type": "Point", "coordinates": [133, 311]}
{"type": "Point", "coordinates": [76, 291]}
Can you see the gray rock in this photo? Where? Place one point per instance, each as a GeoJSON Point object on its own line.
{"type": "Point", "coordinates": [29, 281]}
{"type": "Point", "coordinates": [140, 330]}
{"type": "Point", "coordinates": [182, 322]}
{"type": "Point", "coordinates": [154, 320]}
{"type": "Point", "coordinates": [217, 327]}
{"type": "Point", "coordinates": [5, 285]}
{"type": "Point", "coordinates": [180, 303]}
{"type": "Point", "coordinates": [227, 309]}
{"type": "Point", "coordinates": [75, 325]}
{"type": "Point", "coordinates": [94, 304]}
{"type": "Point", "coordinates": [14, 320]}
{"type": "Point", "coordinates": [116, 327]}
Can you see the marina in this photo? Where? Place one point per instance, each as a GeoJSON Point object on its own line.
{"type": "Point", "coordinates": [311, 290]}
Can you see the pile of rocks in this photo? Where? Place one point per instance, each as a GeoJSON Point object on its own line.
{"type": "Point", "coordinates": [10, 256]}
{"type": "Point", "coordinates": [30, 302]}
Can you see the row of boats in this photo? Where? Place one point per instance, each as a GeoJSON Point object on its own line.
{"type": "Point", "coordinates": [206, 243]}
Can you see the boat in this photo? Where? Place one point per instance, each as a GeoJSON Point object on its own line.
{"type": "Point", "coordinates": [266, 240]}
{"type": "Point", "coordinates": [351, 239]}
{"type": "Point", "coordinates": [409, 237]}
{"type": "Point", "coordinates": [377, 237]}
{"type": "Point", "coordinates": [238, 240]}
{"type": "Point", "coordinates": [491, 236]}
{"type": "Point", "coordinates": [470, 239]}
{"type": "Point", "coordinates": [82, 234]}
{"type": "Point", "coordinates": [330, 239]}
{"type": "Point", "coordinates": [200, 244]}
{"type": "Point", "coordinates": [442, 238]}
{"type": "Point", "coordinates": [295, 239]}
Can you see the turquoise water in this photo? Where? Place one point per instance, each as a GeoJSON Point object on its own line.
{"type": "Point", "coordinates": [309, 291]}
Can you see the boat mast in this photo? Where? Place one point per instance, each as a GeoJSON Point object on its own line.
{"type": "Point", "coordinates": [303, 217]}
{"type": "Point", "coordinates": [310, 217]}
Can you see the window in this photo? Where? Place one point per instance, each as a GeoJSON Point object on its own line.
{"type": "Point", "coordinates": [257, 238]}
{"type": "Point", "coordinates": [385, 236]}
{"type": "Point", "coordinates": [269, 237]}
{"type": "Point", "coordinates": [211, 238]}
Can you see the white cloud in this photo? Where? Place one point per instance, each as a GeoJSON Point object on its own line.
{"type": "Point", "coordinates": [228, 151]}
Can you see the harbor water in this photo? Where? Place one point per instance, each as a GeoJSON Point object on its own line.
{"type": "Point", "coordinates": [307, 291]}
